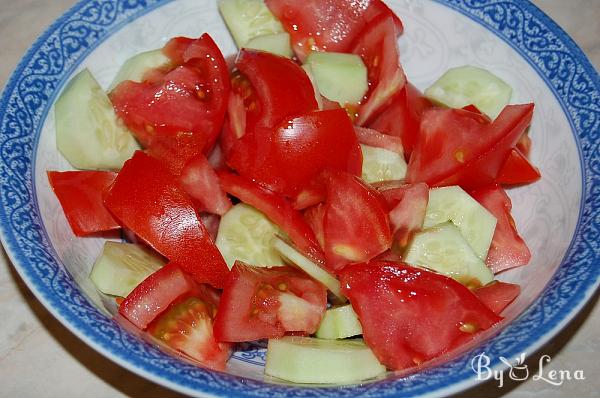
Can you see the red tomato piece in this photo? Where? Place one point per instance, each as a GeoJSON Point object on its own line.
{"type": "Point", "coordinates": [518, 170]}
{"type": "Point", "coordinates": [147, 199]}
{"type": "Point", "coordinates": [371, 137]}
{"type": "Point", "coordinates": [458, 147]}
{"type": "Point", "coordinates": [356, 225]}
{"type": "Point", "coordinates": [180, 115]}
{"type": "Point", "coordinates": [187, 326]}
{"type": "Point", "coordinates": [377, 47]}
{"type": "Point", "coordinates": [327, 25]}
{"type": "Point", "coordinates": [315, 217]}
{"type": "Point", "coordinates": [524, 144]}
{"type": "Point", "coordinates": [497, 295]}
{"type": "Point", "coordinates": [80, 195]}
{"type": "Point", "coordinates": [508, 250]}
{"type": "Point", "coordinates": [200, 181]}
{"type": "Point", "coordinates": [277, 209]}
{"type": "Point", "coordinates": [402, 117]}
{"type": "Point", "coordinates": [260, 303]}
{"type": "Point", "coordinates": [154, 294]}
{"type": "Point", "coordinates": [408, 208]}
{"type": "Point", "coordinates": [410, 315]}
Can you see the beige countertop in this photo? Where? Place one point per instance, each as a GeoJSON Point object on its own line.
{"type": "Point", "coordinates": [41, 358]}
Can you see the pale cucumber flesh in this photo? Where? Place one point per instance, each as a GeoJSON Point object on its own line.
{"type": "Point", "coordinates": [278, 43]}
{"type": "Point", "coordinates": [475, 222]}
{"type": "Point", "coordinates": [88, 133]}
{"type": "Point", "coordinates": [247, 19]}
{"type": "Point", "coordinates": [122, 266]}
{"type": "Point", "coordinates": [318, 361]}
{"type": "Point", "coordinates": [136, 67]}
{"type": "Point", "coordinates": [381, 164]}
{"type": "Point", "coordinates": [311, 77]}
{"type": "Point", "coordinates": [339, 323]}
{"type": "Point", "coordinates": [443, 249]}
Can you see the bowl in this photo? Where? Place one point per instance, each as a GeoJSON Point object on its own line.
{"type": "Point", "coordinates": [556, 216]}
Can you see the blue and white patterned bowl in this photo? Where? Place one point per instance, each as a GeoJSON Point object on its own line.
{"type": "Point", "coordinates": [557, 216]}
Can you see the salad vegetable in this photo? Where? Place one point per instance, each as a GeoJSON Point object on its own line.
{"type": "Point", "coordinates": [308, 195]}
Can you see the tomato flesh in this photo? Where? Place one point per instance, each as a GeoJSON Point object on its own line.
{"type": "Point", "coordinates": [498, 295]}
{"type": "Point", "coordinates": [200, 181]}
{"type": "Point", "coordinates": [517, 170]}
{"type": "Point", "coordinates": [374, 138]}
{"type": "Point", "coordinates": [408, 206]}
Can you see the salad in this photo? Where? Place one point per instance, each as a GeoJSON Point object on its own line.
{"type": "Point", "coordinates": [308, 194]}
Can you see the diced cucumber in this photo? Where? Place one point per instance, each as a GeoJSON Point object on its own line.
{"type": "Point", "coordinates": [339, 323]}
{"type": "Point", "coordinates": [340, 77]}
{"type": "Point", "coordinates": [278, 43]}
{"type": "Point", "coordinates": [135, 67]}
{"type": "Point", "coordinates": [122, 266]}
{"type": "Point", "coordinates": [311, 77]}
{"type": "Point", "coordinates": [475, 222]}
{"type": "Point", "coordinates": [247, 19]}
{"type": "Point", "coordinates": [467, 85]}
{"type": "Point", "coordinates": [381, 164]}
{"type": "Point", "coordinates": [317, 361]}
{"type": "Point", "coordinates": [312, 269]}
{"type": "Point", "coordinates": [247, 235]}
{"type": "Point", "coordinates": [444, 249]}
{"type": "Point", "coordinates": [88, 133]}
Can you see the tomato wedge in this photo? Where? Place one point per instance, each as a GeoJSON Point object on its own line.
{"type": "Point", "coordinates": [408, 207]}
{"type": "Point", "coordinates": [371, 137]}
{"type": "Point", "coordinates": [148, 199]}
{"type": "Point", "coordinates": [508, 250]}
{"type": "Point", "coordinates": [498, 295]}
{"type": "Point", "coordinates": [277, 209]}
{"type": "Point", "coordinates": [200, 181]}
{"type": "Point", "coordinates": [410, 315]}
{"type": "Point", "coordinates": [377, 47]}
{"type": "Point", "coordinates": [518, 170]}
{"type": "Point", "coordinates": [80, 195]}
{"type": "Point", "coordinates": [260, 303]}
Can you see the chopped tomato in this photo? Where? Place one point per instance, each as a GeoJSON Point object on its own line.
{"type": "Point", "coordinates": [155, 294]}
{"type": "Point", "coordinates": [402, 117]}
{"type": "Point", "coordinates": [508, 250]}
{"type": "Point", "coordinates": [408, 207]}
{"type": "Point", "coordinates": [187, 326]}
{"type": "Point", "coordinates": [147, 199]}
{"type": "Point", "coordinates": [211, 222]}
{"type": "Point", "coordinates": [377, 47]}
{"type": "Point", "coordinates": [179, 115]}
{"type": "Point", "coordinates": [200, 181]}
{"type": "Point", "coordinates": [410, 315]}
{"type": "Point", "coordinates": [517, 169]}
{"type": "Point", "coordinates": [314, 216]}
{"type": "Point", "coordinates": [277, 209]}
{"type": "Point", "coordinates": [497, 295]}
{"type": "Point", "coordinates": [80, 195]}
{"type": "Point", "coordinates": [458, 147]}
{"type": "Point", "coordinates": [356, 224]}
{"type": "Point", "coordinates": [524, 143]}
{"type": "Point", "coordinates": [260, 303]}
{"type": "Point", "coordinates": [371, 137]}
{"type": "Point", "coordinates": [327, 25]}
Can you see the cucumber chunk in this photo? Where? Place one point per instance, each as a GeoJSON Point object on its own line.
{"type": "Point", "coordinates": [312, 269]}
{"type": "Point", "coordinates": [311, 77]}
{"type": "Point", "coordinates": [247, 235]}
{"type": "Point", "coordinates": [88, 133]}
{"type": "Point", "coordinates": [467, 85]}
{"type": "Point", "coordinates": [339, 323]}
{"type": "Point", "coordinates": [122, 266]}
{"type": "Point", "coordinates": [247, 19]}
{"type": "Point", "coordinates": [309, 360]}
{"type": "Point", "coordinates": [381, 164]}
{"type": "Point", "coordinates": [475, 222]}
{"type": "Point", "coordinates": [278, 43]}
{"type": "Point", "coordinates": [340, 77]}
{"type": "Point", "coordinates": [443, 249]}
{"type": "Point", "coordinates": [135, 67]}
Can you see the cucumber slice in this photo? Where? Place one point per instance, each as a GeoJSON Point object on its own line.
{"type": "Point", "coordinates": [247, 235]}
{"type": "Point", "coordinates": [475, 222]}
{"type": "Point", "coordinates": [135, 67]}
{"type": "Point", "coordinates": [311, 77]}
{"type": "Point", "coordinates": [340, 77]}
{"type": "Point", "coordinates": [122, 266]}
{"type": "Point", "coordinates": [443, 249]}
{"type": "Point", "coordinates": [381, 164]}
{"type": "Point", "coordinates": [339, 323]}
{"type": "Point", "coordinates": [312, 269]}
{"type": "Point", "coordinates": [309, 360]}
{"type": "Point", "coordinates": [88, 133]}
{"type": "Point", "coordinates": [467, 85]}
{"type": "Point", "coordinates": [278, 43]}
{"type": "Point", "coordinates": [247, 19]}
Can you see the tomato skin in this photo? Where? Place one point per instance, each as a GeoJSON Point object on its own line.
{"type": "Point", "coordinates": [251, 306]}
{"type": "Point", "coordinates": [148, 199]}
{"type": "Point", "coordinates": [518, 170]}
{"type": "Point", "coordinates": [200, 181]}
{"type": "Point", "coordinates": [80, 196]}
{"type": "Point", "coordinates": [408, 205]}
{"type": "Point", "coordinates": [410, 315]}
{"type": "Point", "coordinates": [508, 249]}
{"type": "Point", "coordinates": [277, 209]}
{"type": "Point", "coordinates": [497, 295]}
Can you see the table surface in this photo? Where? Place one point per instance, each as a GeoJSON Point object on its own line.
{"type": "Point", "coordinates": [41, 358]}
